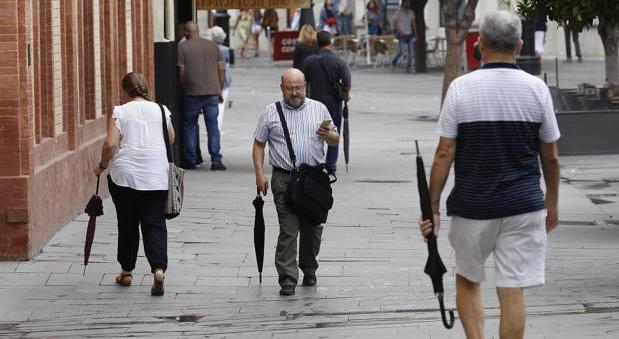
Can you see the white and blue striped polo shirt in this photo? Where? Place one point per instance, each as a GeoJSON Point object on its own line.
{"type": "Point", "coordinates": [303, 122]}
{"type": "Point", "coordinates": [498, 115]}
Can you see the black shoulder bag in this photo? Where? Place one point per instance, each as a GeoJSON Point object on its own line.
{"type": "Point", "coordinates": [336, 87]}
{"type": "Point", "coordinates": [309, 192]}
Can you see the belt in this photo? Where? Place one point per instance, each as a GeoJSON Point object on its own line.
{"type": "Point", "coordinates": [281, 170]}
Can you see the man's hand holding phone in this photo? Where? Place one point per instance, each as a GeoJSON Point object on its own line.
{"type": "Point", "coordinates": [325, 128]}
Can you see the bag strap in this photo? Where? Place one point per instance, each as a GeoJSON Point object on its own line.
{"type": "Point", "coordinates": [280, 111]}
{"type": "Point", "coordinates": [166, 137]}
{"type": "Point", "coordinates": [324, 69]}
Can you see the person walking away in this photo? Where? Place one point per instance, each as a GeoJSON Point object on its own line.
{"type": "Point", "coordinates": [270, 24]}
{"type": "Point", "coordinates": [345, 15]}
{"type": "Point", "coordinates": [134, 151]}
{"type": "Point", "coordinates": [497, 123]}
{"type": "Point", "coordinates": [256, 29]}
{"type": "Point", "coordinates": [219, 36]}
{"type": "Point", "coordinates": [324, 72]}
{"type": "Point", "coordinates": [373, 16]}
{"type": "Point", "coordinates": [569, 30]}
{"type": "Point", "coordinates": [306, 45]}
{"type": "Point", "coordinates": [404, 25]}
{"type": "Point", "coordinates": [242, 27]}
{"type": "Point", "coordinates": [304, 119]}
{"type": "Point", "coordinates": [328, 20]}
{"type": "Point", "coordinates": [540, 37]}
{"type": "Point", "coordinates": [201, 68]}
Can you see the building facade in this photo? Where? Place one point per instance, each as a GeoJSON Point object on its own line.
{"type": "Point", "coordinates": [61, 64]}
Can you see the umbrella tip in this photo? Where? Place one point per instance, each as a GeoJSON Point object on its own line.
{"type": "Point", "coordinates": [84, 272]}
{"type": "Point", "coordinates": [417, 147]}
{"type": "Point", "coordinates": [260, 274]}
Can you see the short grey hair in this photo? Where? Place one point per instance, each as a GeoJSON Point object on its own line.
{"type": "Point", "coordinates": [501, 31]}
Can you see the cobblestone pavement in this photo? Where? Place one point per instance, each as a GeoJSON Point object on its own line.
{"type": "Point", "coordinates": [370, 282]}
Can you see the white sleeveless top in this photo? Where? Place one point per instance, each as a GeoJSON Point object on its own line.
{"type": "Point", "coordinates": [141, 162]}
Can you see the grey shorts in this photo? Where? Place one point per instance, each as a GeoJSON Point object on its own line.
{"type": "Point", "coordinates": [518, 243]}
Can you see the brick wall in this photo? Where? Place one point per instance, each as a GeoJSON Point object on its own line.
{"type": "Point", "coordinates": [61, 63]}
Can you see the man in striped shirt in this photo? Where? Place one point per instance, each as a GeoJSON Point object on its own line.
{"type": "Point", "coordinates": [304, 118]}
{"type": "Point", "coordinates": [496, 124]}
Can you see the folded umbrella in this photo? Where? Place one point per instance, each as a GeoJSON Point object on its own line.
{"type": "Point", "coordinates": [94, 208]}
{"type": "Point", "coordinates": [346, 134]}
{"type": "Point", "coordinates": [434, 265]}
{"type": "Point", "coordinates": [259, 232]}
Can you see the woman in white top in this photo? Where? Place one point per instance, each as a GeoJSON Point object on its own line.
{"type": "Point", "coordinates": [135, 152]}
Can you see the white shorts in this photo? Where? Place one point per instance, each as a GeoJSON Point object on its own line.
{"type": "Point", "coordinates": [518, 243]}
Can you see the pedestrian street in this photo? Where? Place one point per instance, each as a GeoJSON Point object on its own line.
{"type": "Point", "coordinates": [370, 280]}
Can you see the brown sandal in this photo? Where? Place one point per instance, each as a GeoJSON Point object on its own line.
{"type": "Point", "coordinates": [157, 289]}
{"type": "Point", "coordinates": [124, 279]}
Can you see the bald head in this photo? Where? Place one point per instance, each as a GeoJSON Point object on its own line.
{"type": "Point", "coordinates": [293, 87]}
{"type": "Point", "coordinates": [292, 75]}
{"type": "Point", "coordinates": [191, 30]}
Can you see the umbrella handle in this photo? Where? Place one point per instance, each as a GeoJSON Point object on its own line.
{"type": "Point", "coordinates": [258, 192]}
{"type": "Point", "coordinates": [97, 191]}
{"type": "Point", "coordinates": [448, 324]}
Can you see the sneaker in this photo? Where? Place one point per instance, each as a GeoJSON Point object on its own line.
{"type": "Point", "coordinates": [218, 167]}
{"type": "Point", "coordinates": [287, 290]}
{"type": "Point", "coordinates": [309, 280]}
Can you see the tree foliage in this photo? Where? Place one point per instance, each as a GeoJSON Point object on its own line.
{"type": "Point", "coordinates": [580, 13]}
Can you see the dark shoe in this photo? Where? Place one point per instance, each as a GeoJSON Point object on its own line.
{"type": "Point", "coordinates": [309, 280]}
{"type": "Point", "coordinates": [188, 166]}
{"type": "Point", "coordinates": [218, 167]}
{"type": "Point", "coordinates": [157, 289]}
{"type": "Point", "coordinates": [287, 290]}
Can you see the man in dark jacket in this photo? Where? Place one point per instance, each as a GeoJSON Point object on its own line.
{"type": "Point", "coordinates": [328, 81]}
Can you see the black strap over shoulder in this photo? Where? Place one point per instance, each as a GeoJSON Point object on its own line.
{"type": "Point", "coordinates": [166, 137]}
{"type": "Point", "coordinates": [324, 69]}
{"type": "Point", "coordinates": [280, 111]}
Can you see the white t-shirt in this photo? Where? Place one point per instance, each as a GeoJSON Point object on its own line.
{"type": "Point", "coordinates": [141, 162]}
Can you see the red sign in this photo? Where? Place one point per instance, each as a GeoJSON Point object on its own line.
{"type": "Point", "coordinates": [283, 45]}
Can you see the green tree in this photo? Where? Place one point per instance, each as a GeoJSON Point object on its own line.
{"type": "Point", "coordinates": [583, 14]}
{"type": "Point", "coordinates": [459, 15]}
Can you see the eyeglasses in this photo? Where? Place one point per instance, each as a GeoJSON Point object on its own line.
{"type": "Point", "coordinates": [298, 89]}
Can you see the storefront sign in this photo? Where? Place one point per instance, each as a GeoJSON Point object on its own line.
{"type": "Point", "coordinates": [246, 4]}
{"type": "Point", "coordinates": [283, 45]}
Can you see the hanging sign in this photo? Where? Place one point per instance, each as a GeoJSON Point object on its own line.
{"type": "Point", "coordinates": [247, 4]}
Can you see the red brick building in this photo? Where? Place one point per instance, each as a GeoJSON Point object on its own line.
{"type": "Point", "coordinates": [61, 62]}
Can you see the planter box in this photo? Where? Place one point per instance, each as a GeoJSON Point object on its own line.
{"type": "Point", "coordinates": [588, 132]}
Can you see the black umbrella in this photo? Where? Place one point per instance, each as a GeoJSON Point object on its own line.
{"type": "Point", "coordinates": [259, 232]}
{"type": "Point", "coordinates": [94, 208]}
{"type": "Point", "coordinates": [346, 134]}
{"type": "Point", "coordinates": [434, 266]}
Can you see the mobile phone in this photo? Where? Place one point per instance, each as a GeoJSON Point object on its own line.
{"type": "Point", "coordinates": [325, 123]}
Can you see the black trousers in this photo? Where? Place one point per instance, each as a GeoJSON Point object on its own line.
{"type": "Point", "coordinates": [144, 208]}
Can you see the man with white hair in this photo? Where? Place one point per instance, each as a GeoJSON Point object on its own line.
{"type": "Point", "coordinates": [219, 36]}
{"type": "Point", "coordinates": [496, 124]}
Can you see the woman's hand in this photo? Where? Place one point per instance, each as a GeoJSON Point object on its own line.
{"type": "Point", "coordinates": [100, 169]}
